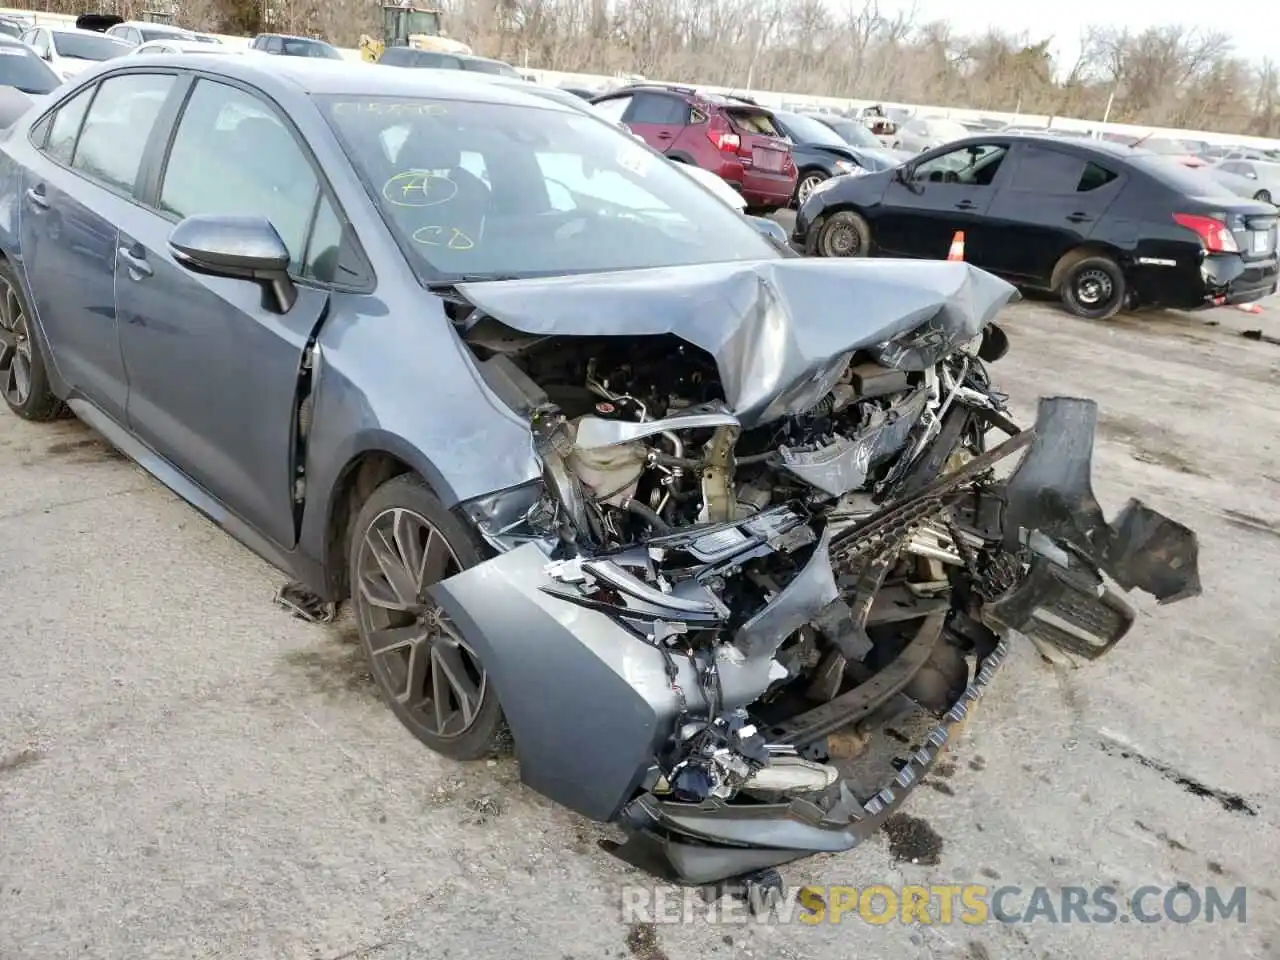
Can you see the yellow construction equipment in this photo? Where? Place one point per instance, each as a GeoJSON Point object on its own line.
{"type": "Point", "coordinates": [416, 27]}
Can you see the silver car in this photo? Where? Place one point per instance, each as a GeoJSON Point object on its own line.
{"type": "Point", "coordinates": [1263, 175]}
{"type": "Point", "coordinates": [928, 132]}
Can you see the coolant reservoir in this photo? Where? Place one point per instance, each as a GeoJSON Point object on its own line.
{"type": "Point", "coordinates": [610, 473]}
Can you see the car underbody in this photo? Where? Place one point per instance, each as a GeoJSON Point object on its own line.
{"type": "Point", "coordinates": [754, 528]}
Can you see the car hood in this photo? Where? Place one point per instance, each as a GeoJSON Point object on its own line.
{"type": "Point", "coordinates": [775, 328]}
{"type": "Point", "coordinates": [843, 152]}
{"type": "Point", "coordinates": [878, 159]}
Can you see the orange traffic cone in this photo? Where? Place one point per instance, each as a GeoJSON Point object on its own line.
{"type": "Point", "coordinates": [957, 246]}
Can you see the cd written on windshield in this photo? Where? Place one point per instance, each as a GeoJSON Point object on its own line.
{"type": "Point", "coordinates": [419, 188]}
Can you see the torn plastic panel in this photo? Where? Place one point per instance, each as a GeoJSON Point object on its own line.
{"type": "Point", "coordinates": [769, 325]}
{"type": "Point", "coordinates": [1051, 491]}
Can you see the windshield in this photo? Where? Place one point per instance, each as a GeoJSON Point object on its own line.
{"type": "Point", "coordinates": [855, 133]}
{"type": "Point", "coordinates": [87, 46]}
{"type": "Point", "coordinates": [495, 67]}
{"type": "Point", "coordinates": [151, 33]}
{"type": "Point", "coordinates": [804, 130]}
{"type": "Point", "coordinates": [21, 68]}
{"type": "Point", "coordinates": [423, 21]}
{"type": "Point", "coordinates": [510, 190]}
{"type": "Point", "coordinates": [310, 48]}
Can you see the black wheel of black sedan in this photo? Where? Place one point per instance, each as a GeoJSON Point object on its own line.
{"type": "Point", "coordinates": [23, 380]}
{"type": "Point", "coordinates": [1094, 288]}
{"type": "Point", "coordinates": [843, 234]}
{"type": "Point", "coordinates": [402, 542]}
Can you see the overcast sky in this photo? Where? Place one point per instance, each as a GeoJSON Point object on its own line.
{"type": "Point", "coordinates": [1254, 25]}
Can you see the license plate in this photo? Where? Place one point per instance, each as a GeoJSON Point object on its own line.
{"type": "Point", "coordinates": [770, 160]}
{"type": "Point", "coordinates": [1261, 241]}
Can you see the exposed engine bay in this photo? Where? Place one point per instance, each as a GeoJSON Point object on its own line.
{"type": "Point", "coordinates": [744, 570]}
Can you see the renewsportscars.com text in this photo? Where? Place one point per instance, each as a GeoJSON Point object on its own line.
{"type": "Point", "coordinates": [941, 904]}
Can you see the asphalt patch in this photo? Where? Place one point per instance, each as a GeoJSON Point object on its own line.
{"type": "Point", "coordinates": [1160, 835]}
{"type": "Point", "coordinates": [16, 761]}
{"type": "Point", "coordinates": [334, 669]}
{"type": "Point", "coordinates": [642, 941]}
{"type": "Point", "coordinates": [912, 840]}
{"type": "Point", "coordinates": [1147, 442]}
{"type": "Point", "coordinates": [1231, 802]}
{"type": "Point", "coordinates": [942, 788]}
{"type": "Point", "coordinates": [88, 450]}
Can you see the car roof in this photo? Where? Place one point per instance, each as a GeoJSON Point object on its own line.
{"type": "Point", "coordinates": [78, 31]}
{"type": "Point", "coordinates": [294, 36]}
{"type": "Point", "coordinates": [310, 75]}
{"type": "Point", "coordinates": [195, 46]}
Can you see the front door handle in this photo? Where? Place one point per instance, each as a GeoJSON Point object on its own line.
{"type": "Point", "coordinates": [1079, 218]}
{"type": "Point", "coordinates": [137, 265]}
{"type": "Point", "coordinates": [37, 198]}
{"type": "Point", "coordinates": [966, 205]}
{"type": "Point", "coordinates": [664, 136]}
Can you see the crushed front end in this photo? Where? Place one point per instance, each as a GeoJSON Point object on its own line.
{"type": "Point", "coordinates": [731, 555]}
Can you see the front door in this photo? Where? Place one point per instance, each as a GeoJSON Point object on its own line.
{"type": "Point", "coordinates": [213, 372]}
{"type": "Point", "coordinates": [76, 190]}
{"type": "Point", "coordinates": [947, 191]}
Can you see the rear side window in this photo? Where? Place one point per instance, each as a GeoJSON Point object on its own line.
{"type": "Point", "coordinates": [1046, 171]}
{"type": "Point", "coordinates": [649, 108]}
{"type": "Point", "coordinates": [118, 125]}
{"type": "Point", "coordinates": [66, 126]}
{"type": "Point", "coordinates": [754, 121]}
{"type": "Point", "coordinates": [1094, 177]}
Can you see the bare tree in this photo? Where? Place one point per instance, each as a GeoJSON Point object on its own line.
{"type": "Point", "coordinates": [1166, 75]}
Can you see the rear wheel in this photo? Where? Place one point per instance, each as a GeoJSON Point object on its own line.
{"type": "Point", "coordinates": [1094, 288]}
{"type": "Point", "coordinates": [1263, 195]}
{"type": "Point", "coordinates": [23, 378]}
{"type": "Point", "coordinates": [806, 184]}
{"type": "Point", "coordinates": [843, 234]}
{"type": "Point", "coordinates": [402, 542]}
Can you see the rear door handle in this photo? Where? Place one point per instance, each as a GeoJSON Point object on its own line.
{"type": "Point", "coordinates": [136, 264]}
{"type": "Point", "coordinates": [664, 136]}
{"type": "Point", "coordinates": [1079, 218]}
{"type": "Point", "coordinates": [966, 205]}
{"type": "Point", "coordinates": [37, 197]}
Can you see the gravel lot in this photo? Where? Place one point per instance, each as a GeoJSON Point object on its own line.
{"type": "Point", "coordinates": [185, 771]}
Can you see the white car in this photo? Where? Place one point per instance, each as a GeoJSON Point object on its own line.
{"type": "Point", "coordinates": [182, 46]}
{"type": "Point", "coordinates": [68, 51]}
{"type": "Point", "coordinates": [928, 132]}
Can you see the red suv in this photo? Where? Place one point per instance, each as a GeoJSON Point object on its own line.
{"type": "Point", "coordinates": [733, 138]}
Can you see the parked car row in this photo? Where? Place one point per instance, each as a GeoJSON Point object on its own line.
{"type": "Point", "coordinates": [1103, 226]}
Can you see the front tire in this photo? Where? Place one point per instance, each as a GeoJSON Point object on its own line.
{"type": "Point", "coordinates": [403, 541]}
{"type": "Point", "coordinates": [806, 184]}
{"type": "Point", "coordinates": [24, 381]}
{"type": "Point", "coordinates": [843, 234]}
{"type": "Point", "coordinates": [1094, 288]}
{"type": "Point", "coordinates": [1263, 195]}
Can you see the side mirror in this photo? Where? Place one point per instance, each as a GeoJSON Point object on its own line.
{"type": "Point", "coordinates": [771, 230]}
{"type": "Point", "coordinates": [242, 248]}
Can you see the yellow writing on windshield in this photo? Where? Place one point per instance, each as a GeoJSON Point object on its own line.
{"type": "Point", "coordinates": [449, 237]}
{"type": "Point", "coordinates": [419, 188]}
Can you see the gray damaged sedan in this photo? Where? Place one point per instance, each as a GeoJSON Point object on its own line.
{"type": "Point", "coordinates": [604, 472]}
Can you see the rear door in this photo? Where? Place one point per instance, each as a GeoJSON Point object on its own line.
{"type": "Point", "coordinates": [947, 191]}
{"type": "Point", "coordinates": [213, 373]}
{"type": "Point", "coordinates": [659, 118]}
{"type": "Point", "coordinates": [1050, 203]}
{"type": "Point", "coordinates": [76, 191]}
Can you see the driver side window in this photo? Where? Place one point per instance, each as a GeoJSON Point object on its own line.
{"type": "Point", "coordinates": [975, 165]}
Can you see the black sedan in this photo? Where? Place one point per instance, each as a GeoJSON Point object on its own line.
{"type": "Point", "coordinates": [859, 136]}
{"type": "Point", "coordinates": [1104, 226]}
